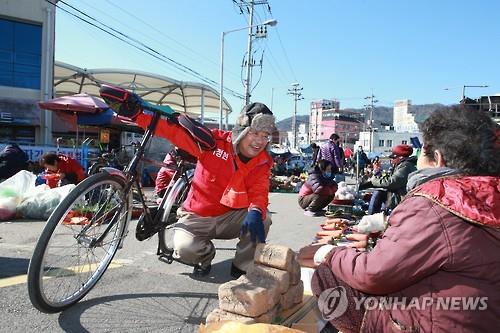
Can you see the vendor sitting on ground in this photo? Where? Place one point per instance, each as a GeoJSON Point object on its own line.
{"type": "Point", "coordinates": [437, 263]}
{"type": "Point", "coordinates": [318, 190]}
{"type": "Point", "coordinates": [394, 184]}
{"type": "Point", "coordinates": [69, 171]}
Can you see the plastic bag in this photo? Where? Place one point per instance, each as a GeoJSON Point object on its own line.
{"type": "Point", "coordinates": [12, 191]}
{"type": "Point", "coordinates": [8, 204]}
{"type": "Point", "coordinates": [42, 201]}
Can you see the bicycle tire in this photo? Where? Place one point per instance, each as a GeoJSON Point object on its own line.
{"type": "Point", "coordinates": [175, 197]}
{"type": "Point", "coordinates": [66, 264]}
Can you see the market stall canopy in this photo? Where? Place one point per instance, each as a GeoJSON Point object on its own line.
{"type": "Point", "coordinates": [87, 110]}
{"type": "Point", "coordinates": [79, 103]}
{"type": "Point", "coordinates": [186, 97]}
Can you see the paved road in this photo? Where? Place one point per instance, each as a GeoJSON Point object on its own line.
{"type": "Point", "coordinates": [142, 294]}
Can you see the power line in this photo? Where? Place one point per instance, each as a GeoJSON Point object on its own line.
{"type": "Point", "coordinates": [141, 46]}
{"type": "Point", "coordinates": [286, 56]}
{"type": "Point", "coordinates": [199, 56]}
{"type": "Point", "coordinates": [282, 75]}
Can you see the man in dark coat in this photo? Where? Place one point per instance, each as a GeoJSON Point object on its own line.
{"type": "Point", "coordinates": [394, 185]}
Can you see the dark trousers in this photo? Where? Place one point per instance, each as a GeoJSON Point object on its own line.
{"type": "Point", "coordinates": [377, 200]}
{"type": "Point", "coordinates": [315, 202]}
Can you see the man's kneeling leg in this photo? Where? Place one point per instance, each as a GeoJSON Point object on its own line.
{"type": "Point", "coordinates": [193, 250]}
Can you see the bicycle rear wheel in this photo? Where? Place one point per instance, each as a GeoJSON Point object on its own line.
{"type": "Point", "coordinates": [78, 242]}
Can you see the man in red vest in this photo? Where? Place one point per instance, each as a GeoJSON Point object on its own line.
{"type": "Point", "coordinates": [229, 192]}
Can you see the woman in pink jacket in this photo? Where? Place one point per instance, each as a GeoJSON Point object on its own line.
{"type": "Point", "coordinates": [437, 266]}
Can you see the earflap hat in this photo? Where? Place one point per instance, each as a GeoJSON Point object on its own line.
{"type": "Point", "coordinates": [256, 116]}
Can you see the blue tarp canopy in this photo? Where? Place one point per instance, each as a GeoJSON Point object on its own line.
{"type": "Point", "coordinates": [108, 119]}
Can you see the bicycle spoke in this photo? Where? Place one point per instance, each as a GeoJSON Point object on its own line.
{"type": "Point", "coordinates": [82, 242]}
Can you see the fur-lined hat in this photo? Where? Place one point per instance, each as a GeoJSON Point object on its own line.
{"type": "Point", "coordinates": [256, 116]}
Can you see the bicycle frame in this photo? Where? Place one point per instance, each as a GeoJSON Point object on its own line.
{"type": "Point", "coordinates": [130, 177]}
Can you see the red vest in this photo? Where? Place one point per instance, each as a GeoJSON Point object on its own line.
{"type": "Point", "coordinates": [221, 181]}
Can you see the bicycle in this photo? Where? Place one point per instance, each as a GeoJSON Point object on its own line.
{"type": "Point", "coordinates": [112, 159]}
{"type": "Point", "coordinates": [87, 228]}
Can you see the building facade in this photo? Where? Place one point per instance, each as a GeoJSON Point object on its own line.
{"type": "Point", "coordinates": [384, 140]}
{"type": "Point", "coordinates": [26, 70]}
{"type": "Point", "coordinates": [490, 104]}
{"type": "Point", "coordinates": [404, 117]}
{"type": "Point", "coordinates": [326, 118]}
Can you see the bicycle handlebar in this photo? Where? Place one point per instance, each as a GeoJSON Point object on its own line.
{"type": "Point", "coordinates": [163, 109]}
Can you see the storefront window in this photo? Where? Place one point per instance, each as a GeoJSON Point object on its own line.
{"type": "Point", "coordinates": [20, 54]}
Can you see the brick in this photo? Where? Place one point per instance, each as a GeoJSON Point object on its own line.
{"type": "Point", "coordinates": [219, 315]}
{"type": "Point", "coordinates": [295, 272]}
{"type": "Point", "coordinates": [268, 317]}
{"type": "Point", "coordinates": [248, 298]}
{"type": "Point", "coordinates": [293, 296]}
{"type": "Point", "coordinates": [282, 278]}
{"type": "Point", "coordinates": [276, 256]}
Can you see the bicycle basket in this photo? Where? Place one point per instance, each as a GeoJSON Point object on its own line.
{"type": "Point", "coordinates": [123, 102]}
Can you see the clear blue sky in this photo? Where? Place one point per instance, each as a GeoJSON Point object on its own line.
{"type": "Point", "coordinates": [340, 49]}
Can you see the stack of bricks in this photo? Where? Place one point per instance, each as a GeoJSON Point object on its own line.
{"type": "Point", "coordinates": [270, 286]}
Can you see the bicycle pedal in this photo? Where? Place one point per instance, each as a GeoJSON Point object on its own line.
{"type": "Point", "coordinates": [166, 258]}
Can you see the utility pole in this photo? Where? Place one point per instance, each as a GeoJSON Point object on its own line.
{"type": "Point", "coordinates": [249, 53]}
{"type": "Point", "coordinates": [261, 32]}
{"type": "Point", "coordinates": [372, 100]}
{"type": "Point", "coordinates": [295, 91]}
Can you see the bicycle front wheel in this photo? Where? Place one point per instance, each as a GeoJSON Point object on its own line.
{"type": "Point", "coordinates": [78, 242]}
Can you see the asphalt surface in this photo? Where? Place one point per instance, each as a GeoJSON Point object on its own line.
{"type": "Point", "coordinates": [142, 294]}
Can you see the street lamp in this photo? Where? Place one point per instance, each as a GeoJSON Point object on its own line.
{"type": "Point", "coordinates": [270, 23]}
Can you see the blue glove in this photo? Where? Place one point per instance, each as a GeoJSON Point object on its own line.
{"type": "Point", "coordinates": [253, 224]}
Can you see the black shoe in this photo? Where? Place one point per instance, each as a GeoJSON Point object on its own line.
{"type": "Point", "coordinates": [236, 272]}
{"type": "Point", "coordinates": [199, 271]}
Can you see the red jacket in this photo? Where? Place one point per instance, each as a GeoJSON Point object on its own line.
{"type": "Point", "coordinates": [443, 242]}
{"type": "Point", "coordinates": [222, 182]}
{"type": "Point", "coordinates": [68, 165]}
{"type": "Point", "coordinates": [165, 174]}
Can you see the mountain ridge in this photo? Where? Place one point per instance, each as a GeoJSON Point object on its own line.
{"type": "Point", "coordinates": [381, 115]}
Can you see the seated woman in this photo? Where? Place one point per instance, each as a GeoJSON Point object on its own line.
{"type": "Point", "coordinates": [318, 190]}
{"type": "Point", "coordinates": [437, 261]}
